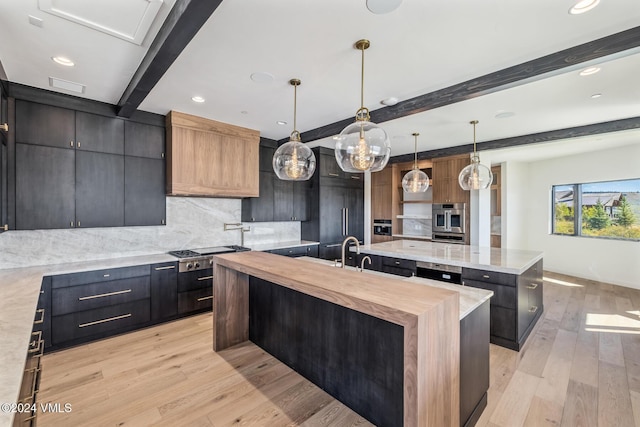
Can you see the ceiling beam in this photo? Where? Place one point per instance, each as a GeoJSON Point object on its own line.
{"type": "Point", "coordinates": [489, 83]}
{"type": "Point", "coordinates": [184, 21]}
{"type": "Point", "coordinates": [534, 138]}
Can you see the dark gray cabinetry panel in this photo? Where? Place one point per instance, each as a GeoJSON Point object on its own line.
{"type": "Point", "coordinates": [195, 291]}
{"type": "Point", "coordinates": [99, 133]}
{"type": "Point", "coordinates": [45, 187]}
{"type": "Point", "coordinates": [44, 125]}
{"type": "Point", "coordinates": [144, 191]}
{"type": "Point", "coordinates": [4, 165]}
{"type": "Point", "coordinates": [282, 199]}
{"type": "Point", "coordinates": [297, 251]}
{"type": "Point", "coordinates": [164, 291]}
{"type": "Point", "coordinates": [143, 140]}
{"type": "Point", "coordinates": [99, 190]}
{"type": "Point", "coordinates": [260, 209]}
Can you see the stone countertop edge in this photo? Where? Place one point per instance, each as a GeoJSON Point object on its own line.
{"type": "Point", "coordinates": [280, 245]}
{"type": "Point", "coordinates": [518, 260]}
{"type": "Point", "coordinates": [470, 298]}
{"type": "Point", "coordinates": [19, 293]}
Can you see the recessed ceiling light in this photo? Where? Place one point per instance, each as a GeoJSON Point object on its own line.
{"type": "Point", "coordinates": [281, 122]}
{"type": "Point", "coordinates": [504, 114]}
{"type": "Point", "coordinates": [63, 61]}
{"type": "Point", "coordinates": [262, 77]}
{"type": "Point", "coordinates": [596, 95]}
{"type": "Point", "coordinates": [589, 71]}
{"type": "Point", "coordinates": [382, 6]}
{"type": "Point", "coordinates": [392, 100]}
{"type": "Point", "coordinates": [583, 6]}
{"type": "Point", "coordinates": [197, 99]}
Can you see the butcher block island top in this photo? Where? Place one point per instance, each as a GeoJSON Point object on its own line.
{"type": "Point", "coordinates": [428, 318]}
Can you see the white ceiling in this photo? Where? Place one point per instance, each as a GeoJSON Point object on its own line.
{"type": "Point", "coordinates": [416, 49]}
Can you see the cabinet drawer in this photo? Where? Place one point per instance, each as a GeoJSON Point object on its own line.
{"type": "Point", "coordinates": [489, 276]}
{"type": "Point", "coordinates": [503, 323]}
{"type": "Point", "coordinates": [292, 252]}
{"type": "Point", "coordinates": [75, 279]}
{"type": "Point", "coordinates": [192, 280]}
{"type": "Point", "coordinates": [199, 299]}
{"type": "Point", "coordinates": [399, 263]}
{"type": "Point", "coordinates": [503, 296]}
{"type": "Point", "coordinates": [92, 322]}
{"type": "Point", "coordinates": [94, 295]}
{"type": "Point", "coordinates": [405, 272]}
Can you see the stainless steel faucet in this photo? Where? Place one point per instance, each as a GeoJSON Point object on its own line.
{"type": "Point", "coordinates": [344, 245]}
{"type": "Point", "coordinates": [237, 226]}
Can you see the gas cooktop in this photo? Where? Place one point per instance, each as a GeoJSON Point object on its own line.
{"type": "Point", "coordinates": [192, 253]}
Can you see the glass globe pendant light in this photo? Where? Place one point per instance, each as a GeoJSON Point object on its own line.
{"type": "Point", "coordinates": [362, 145]}
{"type": "Point", "coordinates": [415, 181]}
{"type": "Point", "coordinates": [475, 176]}
{"type": "Point", "coordinates": [294, 161]}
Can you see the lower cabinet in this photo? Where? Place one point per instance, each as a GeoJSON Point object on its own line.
{"type": "Point", "coordinates": [390, 265]}
{"type": "Point", "coordinates": [195, 291]}
{"type": "Point", "coordinates": [297, 251]}
{"type": "Point", "coordinates": [164, 291]}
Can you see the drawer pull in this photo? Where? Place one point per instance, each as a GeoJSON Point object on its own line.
{"type": "Point", "coordinates": [532, 286]}
{"type": "Point", "coordinates": [333, 174]}
{"type": "Point", "coordinates": [41, 320]}
{"type": "Point", "coordinates": [110, 319]}
{"type": "Point", "coordinates": [397, 262]}
{"type": "Point", "coordinates": [533, 309]}
{"type": "Point", "coordinates": [205, 298]}
{"type": "Point", "coordinates": [106, 275]}
{"type": "Point", "coordinates": [171, 267]}
{"type": "Point", "coordinates": [205, 278]}
{"type": "Point", "coordinates": [35, 346]}
{"type": "Point", "coordinates": [485, 276]}
{"type": "Point", "coordinates": [126, 291]}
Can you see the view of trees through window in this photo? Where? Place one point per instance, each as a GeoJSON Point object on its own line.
{"type": "Point", "coordinates": [604, 209]}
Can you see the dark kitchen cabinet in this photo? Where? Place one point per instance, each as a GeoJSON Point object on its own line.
{"type": "Point", "coordinates": [260, 209]}
{"type": "Point", "coordinates": [4, 159]}
{"type": "Point", "coordinates": [195, 291]}
{"type": "Point", "coordinates": [297, 251]}
{"type": "Point", "coordinates": [144, 191]}
{"type": "Point", "coordinates": [99, 189]}
{"type": "Point", "coordinates": [282, 199]}
{"type": "Point", "coordinates": [45, 125]}
{"type": "Point", "coordinates": [45, 187]}
{"type": "Point", "coordinates": [164, 291]}
{"type": "Point", "coordinates": [99, 133]}
{"type": "Point", "coordinates": [142, 140]}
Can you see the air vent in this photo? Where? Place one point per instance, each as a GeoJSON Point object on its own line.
{"type": "Point", "coordinates": [66, 85]}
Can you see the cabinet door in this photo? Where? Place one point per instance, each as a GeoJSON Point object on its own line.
{"type": "Point", "coordinates": [260, 209]}
{"type": "Point", "coordinates": [164, 290]}
{"type": "Point", "coordinates": [99, 133]}
{"type": "Point", "coordinates": [44, 125]}
{"type": "Point", "coordinates": [266, 158]}
{"type": "Point", "coordinates": [354, 201]}
{"type": "Point", "coordinates": [282, 199]}
{"type": "Point", "coordinates": [332, 208]}
{"type": "Point", "coordinates": [99, 189]}
{"type": "Point", "coordinates": [329, 166]}
{"type": "Point", "coordinates": [144, 198]}
{"type": "Point", "coordinates": [301, 200]}
{"type": "Point", "coordinates": [45, 187]}
{"type": "Point", "coordinates": [142, 140]}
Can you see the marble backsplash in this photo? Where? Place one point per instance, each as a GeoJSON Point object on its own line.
{"type": "Point", "coordinates": [191, 223]}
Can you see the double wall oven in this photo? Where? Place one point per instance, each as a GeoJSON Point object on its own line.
{"type": "Point", "coordinates": [195, 276]}
{"type": "Point", "coordinates": [448, 223]}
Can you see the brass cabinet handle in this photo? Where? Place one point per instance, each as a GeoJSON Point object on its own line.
{"type": "Point", "coordinates": [41, 320]}
{"type": "Point", "coordinates": [126, 291]}
{"type": "Point", "coordinates": [70, 143]}
{"type": "Point", "coordinates": [205, 278]}
{"type": "Point", "coordinates": [110, 319]}
{"type": "Point", "coordinates": [171, 267]}
{"type": "Point", "coordinates": [106, 275]}
{"type": "Point", "coordinates": [532, 286]}
{"type": "Point", "coordinates": [5, 227]}
{"type": "Point", "coordinates": [4, 127]}
{"type": "Point", "coordinates": [533, 309]}
{"type": "Point", "coordinates": [355, 177]}
{"type": "Point", "coordinates": [333, 174]}
{"type": "Point", "coordinates": [485, 276]}
{"type": "Point", "coordinates": [78, 223]}
{"type": "Point", "coordinates": [36, 344]}
{"type": "Point", "coordinates": [397, 262]}
{"type": "Point", "coordinates": [205, 298]}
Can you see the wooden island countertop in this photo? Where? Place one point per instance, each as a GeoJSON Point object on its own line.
{"type": "Point", "coordinates": [429, 318]}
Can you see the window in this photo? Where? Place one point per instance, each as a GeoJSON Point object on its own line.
{"type": "Point", "coordinates": [608, 209]}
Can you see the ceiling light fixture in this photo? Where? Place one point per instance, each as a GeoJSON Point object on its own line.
{"type": "Point", "coordinates": [362, 145]}
{"type": "Point", "coordinates": [294, 161]}
{"type": "Point", "coordinates": [281, 122]}
{"type": "Point", "coordinates": [589, 71]}
{"type": "Point", "coordinates": [596, 95]}
{"type": "Point", "coordinates": [583, 6]}
{"type": "Point", "coordinates": [415, 181]}
{"type": "Point", "coordinates": [197, 99]}
{"type": "Point", "coordinates": [475, 176]}
{"type": "Point", "coordinates": [380, 7]}
{"type": "Point", "coordinates": [63, 61]}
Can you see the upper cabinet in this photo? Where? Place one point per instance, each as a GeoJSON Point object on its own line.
{"type": "Point", "coordinates": [445, 179]}
{"type": "Point", "coordinates": [209, 158]}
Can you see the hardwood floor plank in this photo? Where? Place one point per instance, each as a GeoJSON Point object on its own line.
{"type": "Point", "coordinates": [555, 377]}
{"type": "Point", "coordinates": [581, 406]}
{"type": "Point", "coordinates": [332, 415]}
{"type": "Point", "coordinates": [586, 358]}
{"type": "Point", "coordinates": [543, 413]}
{"type": "Point", "coordinates": [539, 348]}
{"type": "Point", "coordinates": [614, 401]}
{"type": "Point", "coordinates": [573, 311]}
{"type": "Point", "coordinates": [513, 407]}
{"type": "Point", "coordinates": [610, 348]}
{"type": "Point", "coordinates": [635, 403]}
{"type": "Point", "coordinates": [633, 374]}
{"type": "Point", "coordinates": [631, 346]}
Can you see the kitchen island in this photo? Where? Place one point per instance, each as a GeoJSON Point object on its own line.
{"type": "Point", "coordinates": [387, 348]}
{"type": "Point", "coordinates": [515, 277]}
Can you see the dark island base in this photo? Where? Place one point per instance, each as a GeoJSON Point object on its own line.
{"type": "Point", "coordinates": [517, 345]}
{"type": "Point", "coordinates": [355, 357]}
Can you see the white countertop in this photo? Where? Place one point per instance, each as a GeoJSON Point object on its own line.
{"type": "Point", "coordinates": [280, 245]}
{"type": "Point", "coordinates": [512, 261]}
{"type": "Point", "coordinates": [470, 298]}
{"type": "Point", "coordinates": [19, 293]}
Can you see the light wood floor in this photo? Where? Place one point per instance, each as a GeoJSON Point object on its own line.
{"type": "Point", "coordinates": [580, 367]}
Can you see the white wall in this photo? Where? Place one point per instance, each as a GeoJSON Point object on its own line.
{"type": "Point", "coordinates": [528, 197]}
{"type": "Point", "coordinates": [192, 222]}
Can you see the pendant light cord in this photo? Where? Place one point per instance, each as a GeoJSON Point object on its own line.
{"type": "Point", "coordinates": [362, 79]}
{"type": "Point", "coordinates": [415, 151]}
{"type": "Point", "coordinates": [295, 106]}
